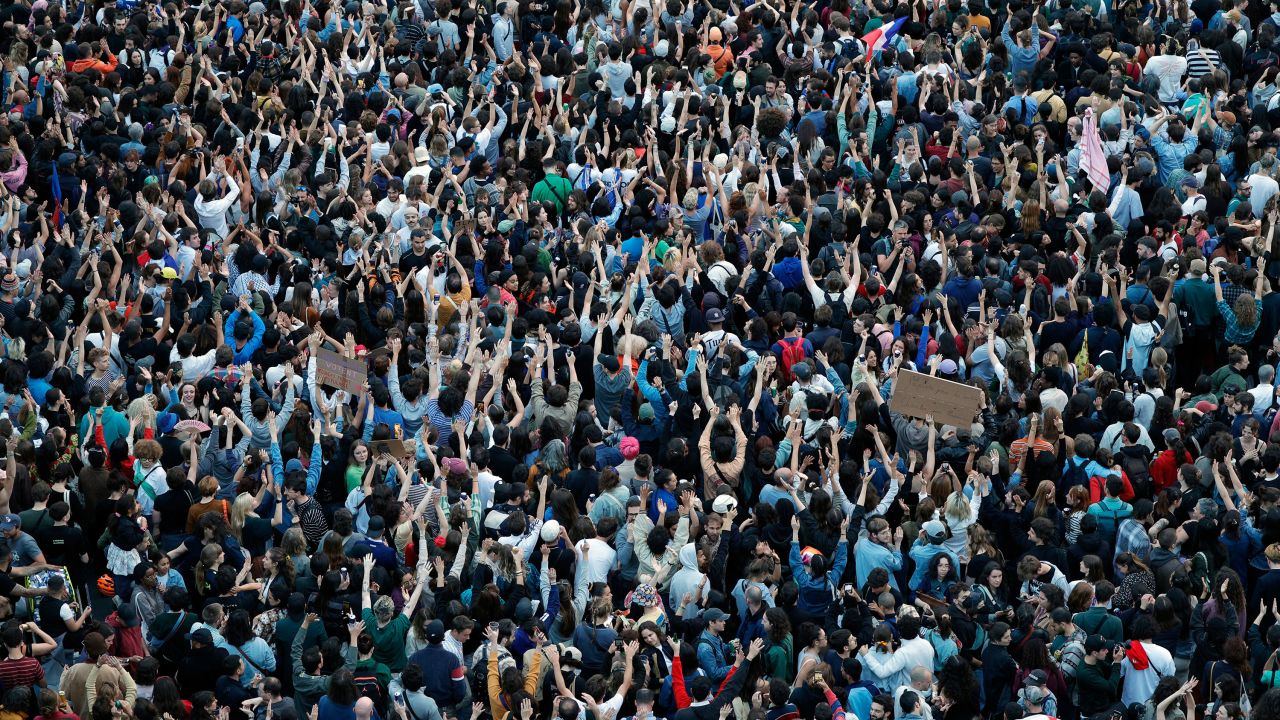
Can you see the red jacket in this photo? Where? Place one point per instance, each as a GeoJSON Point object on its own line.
{"type": "Point", "coordinates": [1164, 469]}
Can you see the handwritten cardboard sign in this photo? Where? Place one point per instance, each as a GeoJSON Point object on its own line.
{"type": "Point", "coordinates": [334, 370]}
{"type": "Point", "coordinates": [950, 403]}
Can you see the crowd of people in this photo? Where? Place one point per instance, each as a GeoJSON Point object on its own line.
{"type": "Point", "coordinates": [515, 359]}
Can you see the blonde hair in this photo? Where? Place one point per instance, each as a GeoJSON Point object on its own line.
{"type": "Point", "coordinates": [240, 510]}
{"type": "Point", "coordinates": [957, 508]}
{"type": "Point", "coordinates": [143, 410]}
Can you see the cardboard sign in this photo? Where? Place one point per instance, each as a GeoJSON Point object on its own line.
{"type": "Point", "coordinates": [394, 448]}
{"type": "Point", "coordinates": [950, 403]}
{"type": "Point", "coordinates": [344, 373]}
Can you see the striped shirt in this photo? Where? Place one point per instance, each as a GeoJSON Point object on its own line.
{"type": "Point", "coordinates": [1202, 62]}
{"type": "Point", "coordinates": [24, 671]}
{"type": "Point", "coordinates": [311, 518]}
{"type": "Point", "coordinates": [443, 423]}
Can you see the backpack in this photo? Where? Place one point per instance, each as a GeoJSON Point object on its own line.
{"type": "Point", "coordinates": [1108, 523]}
{"type": "Point", "coordinates": [839, 311]}
{"type": "Point", "coordinates": [943, 648]}
{"type": "Point", "coordinates": [368, 685]}
{"type": "Point", "coordinates": [850, 47]}
{"type": "Point", "coordinates": [1137, 467]}
{"type": "Point", "coordinates": [792, 353]}
{"type": "Point", "coordinates": [1073, 474]}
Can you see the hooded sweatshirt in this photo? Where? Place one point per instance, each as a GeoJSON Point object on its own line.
{"type": "Point", "coordinates": [688, 576]}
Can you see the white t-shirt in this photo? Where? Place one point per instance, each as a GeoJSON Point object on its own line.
{"type": "Point", "coordinates": [599, 560]}
{"type": "Point", "coordinates": [1140, 684]}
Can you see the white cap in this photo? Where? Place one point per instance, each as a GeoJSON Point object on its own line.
{"type": "Point", "coordinates": [550, 531]}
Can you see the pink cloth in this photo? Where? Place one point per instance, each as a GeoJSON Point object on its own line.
{"type": "Point", "coordinates": [1093, 159]}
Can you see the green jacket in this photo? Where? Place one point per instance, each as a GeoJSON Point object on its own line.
{"type": "Point", "coordinates": [556, 189]}
{"type": "Point", "coordinates": [1198, 298]}
{"type": "Point", "coordinates": [779, 660]}
{"type": "Point", "coordinates": [1099, 686]}
{"type": "Point", "coordinates": [1096, 620]}
{"type": "Point", "coordinates": [1224, 376]}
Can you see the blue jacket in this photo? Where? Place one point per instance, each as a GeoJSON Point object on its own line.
{"type": "Point", "coordinates": [714, 656]}
{"type": "Point", "coordinates": [443, 677]}
{"type": "Point", "coordinates": [815, 592]}
{"type": "Point", "coordinates": [869, 555]}
{"type": "Point", "coordinates": [922, 552]}
{"type": "Point", "coordinates": [243, 355]}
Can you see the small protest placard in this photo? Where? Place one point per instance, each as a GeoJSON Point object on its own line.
{"type": "Point", "coordinates": [335, 370]}
{"type": "Point", "coordinates": [950, 403]}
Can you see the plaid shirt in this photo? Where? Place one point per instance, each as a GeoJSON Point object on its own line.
{"type": "Point", "coordinates": [1235, 332]}
{"type": "Point", "coordinates": [1131, 537]}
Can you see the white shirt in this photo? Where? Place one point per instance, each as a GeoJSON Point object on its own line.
{"type": "Point", "coordinates": [894, 669]}
{"type": "Point", "coordinates": [487, 481]}
{"type": "Point", "coordinates": [1193, 204]}
{"type": "Point", "coordinates": [1263, 396]}
{"type": "Point", "coordinates": [196, 367]}
{"type": "Point", "coordinates": [1168, 69]}
{"type": "Point", "coordinates": [213, 213]}
{"type": "Point", "coordinates": [1264, 188]}
{"type": "Point", "coordinates": [599, 560]}
{"type": "Point", "coordinates": [1140, 684]}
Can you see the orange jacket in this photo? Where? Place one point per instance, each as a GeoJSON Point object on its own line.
{"type": "Point", "coordinates": [92, 64]}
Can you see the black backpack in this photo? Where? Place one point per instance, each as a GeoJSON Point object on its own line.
{"type": "Point", "coordinates": [1137, 466]}
{"type": "Point", "coordinates": [839, 311]}
{"type": "Point", "coordinates": [368, 685]}
{"type": "Point", "coordinates": [1073, 474]}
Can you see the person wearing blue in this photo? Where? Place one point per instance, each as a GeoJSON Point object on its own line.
{"type": "Point", "coordinates": [817, 580]}
{"type": "Point", "coordinates": [926, 547]}
{"type": "Point", "coordinates": [246, 334]}
{"type": "Point", "coordinates": [1024, 53]}
{"type": "Point", "coordinates": [715, 656]}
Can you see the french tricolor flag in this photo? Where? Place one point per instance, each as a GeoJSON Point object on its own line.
{"type": "Point", "coordinates": [875, 40]}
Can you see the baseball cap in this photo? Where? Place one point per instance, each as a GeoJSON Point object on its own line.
{"type": "Point", "coordinates": [1094, 643]}
{"type": "Point", "coordinates": [550, 531]}
{"type": "Point", "coordinates": [935, 529]}
{"type": "Point", "coordinates": [1036, 677]}
{"type": "Point", "coordinates": [10, 522]}
{"type": "Point", "coordinates": [609, 362]}
{"type": "Point", "coordinates": [715, 316]}
{"type": "Point", "coordinates": [714, 615]}
{"type": "Point", "coordinates": [200, 635]}
{"type": "Point", "coordinates": [1203, 406]}
{"type": "Point", "coordinates": [723, 503]}
{"type": "Point", "coordinates": [435, 631]}
{"type": "Point", "coordinates": [571, 656]}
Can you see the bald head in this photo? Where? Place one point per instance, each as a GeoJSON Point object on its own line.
{"type": "Point", "coordinates": [921, 677]}
{"type": "Point", "coordinates": [364, 708]}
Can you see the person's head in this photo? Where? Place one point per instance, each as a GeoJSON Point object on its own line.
{"type": "Point", "coordinates": [882, 707]}
{"type": "Point", "coordinates": [909, 703]}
